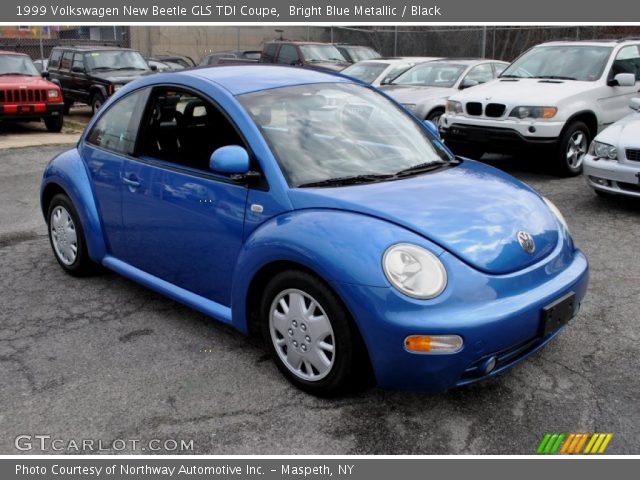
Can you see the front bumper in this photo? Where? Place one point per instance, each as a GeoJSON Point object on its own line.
{"type": "Point", "coordinates": [495, 315]}
{"type": "Point", "coordinates": [493, 139]}
{"type": "Point", "coordinates": [621, 178]}
{"type": "Point", "coordinates": [30, 111]}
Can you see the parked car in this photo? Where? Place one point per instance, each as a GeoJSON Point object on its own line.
{"type": "Point", "coordinates": [91, 74]}
{"type": "Point", "coordinates": [214, 58]}
{"type": "Point", "coordinates": [26, 96]}
{"type": "Point", "coordinates": [322, 56]}
{"type": "Point", "coordinates": [41, 64]}
{"type": "Point", "coordinates": [382, 70]}
{"type": "Point", "coordinates": [612, 164]}
{"type": "Point", "coordinates": [162, 66]}
{"type": "Point", "coordinates": [184, 60]}
{"type": "Point", "coordinates": [425, 87]}
{"type": "Point", "coordinates": [356, 53]}
{"type": "Point", "coordinates": [244, 194]}
{"type": "Point", "coordinates": [552, 99]}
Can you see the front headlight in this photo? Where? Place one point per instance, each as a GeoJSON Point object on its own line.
{"type": "Point", "coordinates": [556, 212]}
{"type": "Point", "coordinates": [454, 107]}
{"type": "Point", "coordinates": [603, 150]}
{"type": "Point", "coordinates": [410, 106]}
{"type": "Point", "coordinates": [414, 271]}
{"type": "Point", "coordinates": [53, 93]}
{"type": "Point", "coordinates": [534, 112]}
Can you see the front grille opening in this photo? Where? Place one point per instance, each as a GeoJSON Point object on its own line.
{"type": "Point", "coordinates": [474, 108]}
{"type": "Point", "coordinates": [630, 187]}
{"type": "Point", "coordinates": [633, 154]}
{"type": "Point", "coordinates": [22, 95]}
{"type": "Point", "coordinates": [495, 110]}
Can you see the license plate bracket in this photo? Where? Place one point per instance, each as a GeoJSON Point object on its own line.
{"type": "Point", "coordinates": [557, 313]}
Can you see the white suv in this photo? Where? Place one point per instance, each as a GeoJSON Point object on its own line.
{"type": "Point", "coordinates": [556, 96]}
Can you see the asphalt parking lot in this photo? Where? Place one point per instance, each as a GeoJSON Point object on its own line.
{"type": "Point", "coordinates": [103, 358]}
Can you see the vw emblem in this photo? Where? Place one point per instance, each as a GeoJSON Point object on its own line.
{"type": "Point", "coordinates": [526, 241]}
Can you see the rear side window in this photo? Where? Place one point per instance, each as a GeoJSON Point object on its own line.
{"type": "Point", "coordinates": [288, 55]}
{"type": "Point", "coordinates": [66, 60]}
{"type": "Point", "coordinates": [116, 130]}
{"type": "Point", "coordinates": [78, 62]}
{"type": "Point", "coordinates": [54, 61]}
{"type": "Point", "coordinates": [627, 61]}
{"type": "Point", "coordinates": [269, 55]}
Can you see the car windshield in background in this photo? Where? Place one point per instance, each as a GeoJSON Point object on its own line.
{"type": "Point", "coordinates": [332, 132]}
{"type": "Point", "coordinates": [17, 65]}
{"type": "Point", "coordinates": [321, 53]}
{"type": "Point", "coordinates": [561, 62]}
{"type": "Point", "coordinates": [431, 74]}
{"type": "Point", "coordinates": [361, 53]}
{"type": "Point", "coordinates": [365, 72]}
{"type": "Point", "coordinates": [115, 60]}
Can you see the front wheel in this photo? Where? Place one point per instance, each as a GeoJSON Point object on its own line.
{"type": "Point", "coordinates": [54, 124]}
{"type": "Point", "coordinates": [96, 102]}
{"type": "Point", "coordinates": [572, 149]}
{"type": "Point", "coordinates": [310, 334]}
{"type": "Point", "coordinates": [434, 116]}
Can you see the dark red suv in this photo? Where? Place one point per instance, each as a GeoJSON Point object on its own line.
{"type": "Point", "coordinates": [25, 95]}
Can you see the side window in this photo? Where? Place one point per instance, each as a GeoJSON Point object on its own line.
{"type": "Point", "coordinates": [78, 62]}
{"type": "Point", "coordinates": [627, 61]}
{"type": "Point", "coordinates": [117, 128]}
{"type": "Point", "coordinates": [288, 55]}
{"type": "Point", "coordinates": [54, 61]}
{"type": "Point", "coordinates": [185, 129]}
{"type": "Point", "coordinates": [481, 74]}
{"type": "Point", "coordinates": [65, 64]}
{"type": "Point", "coordinates": [269, 55]}
{"type": "Point", "coordinates": [499, 68]}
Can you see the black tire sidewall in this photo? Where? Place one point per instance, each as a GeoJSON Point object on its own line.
{"type": "Point", "coordinates": [82, 263]}
{"type": "Point", "coordinates": [96, 97]}
{"type": "Point", "coordinates": [561, 164]}
{"type": "Point", "coordinates": [54, 124]}
{"type": "Point", "coordinates": [338, 379]}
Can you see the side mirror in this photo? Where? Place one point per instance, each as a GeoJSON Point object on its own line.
{"type": "Point", "coordinates": [634, 104]}
{"type": "Point", "coordinates": [623, 80]}
{"type": "Point", "coordinates": [467, 83]}
{"type": "Point", "coordinates": [432, 127]}
{"type": "Point", "coordinates": [231, 159]}
{"type": "Point", "coordinates": [154, 68]}
{"type": "Point", "coordinates": [44, 74]}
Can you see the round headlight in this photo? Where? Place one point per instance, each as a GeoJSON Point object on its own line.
{"type": "Point", "coordinates": [556, 212]}
{"type": "Point", "coordinates": [414, 271]}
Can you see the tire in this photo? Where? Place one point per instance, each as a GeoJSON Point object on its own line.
{"type": "Point", "coordinates": [434, 116]}
{"type": "Point", "coordinates": [572, 149]}
{"type": "Point", "coordinates": [316, 345]}
{"type": "Point", "coordinates": [54, 124]}
{"type": "Point", "coordinates": [67, 237]}
{"type": "Point", "coordinates": [67, 106]}
{"type": "Point", "coordinates": [97, 100]}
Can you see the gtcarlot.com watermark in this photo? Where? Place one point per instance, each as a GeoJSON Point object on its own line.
{"type": "Point", "coordinates": [44, 443]}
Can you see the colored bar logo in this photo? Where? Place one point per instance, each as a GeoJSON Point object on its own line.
{"type": "Point", "coordinates": [574, 443]}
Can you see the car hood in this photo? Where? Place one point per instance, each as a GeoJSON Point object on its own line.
{"type": "Point", "coordinates": [332, 67]}
{"type": "Point", "coordinates": [18, 81]}
{"type": "Point", "coordinates": [412, 94]}
{"type": "Point", "coordinates": [525, 91]}
{"type": "Point", "coordinates": [624, 133]}
{"type": "Point", "coordinates": [120, 76]}
{"type": "Point", "coordinates": [472, 210]}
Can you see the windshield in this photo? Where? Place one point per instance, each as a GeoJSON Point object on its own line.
{"type": "Point", "coordinates": [564, 62]}
{"type": "Point", "coordinates": [17, 65]}
{"type": "Point", "coordinates": [333, 131]}
{"type": "Point", "coordinates": [431, 74]}
{"type": "Point", "coordinates": [115, 60]}
{"type": "Point", "coordinates": [321, 53]}
{"type": "Point", "coordinates": [361, 53]}
{"type": "Point", "coordinates": [365, 72]}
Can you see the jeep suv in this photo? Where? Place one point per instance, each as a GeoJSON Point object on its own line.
{"type": "Point", "coordinates": [90, 74]}
{"type": "Point", "coordinates": [25, 95]}
{"type": "Point", "coordinates": [556, 96]}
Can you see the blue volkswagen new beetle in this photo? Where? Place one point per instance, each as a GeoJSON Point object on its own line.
{"type": "Point", "coordinates": [317, 211]}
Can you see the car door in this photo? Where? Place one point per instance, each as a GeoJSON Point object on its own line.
{"type": "Point", "coordinates": [78, 81]}
{"type": "Point", "coordinates": [64, 75]}
{"type": "Point", "coordinates": [614, 100]}
{"type": "Point", "coordinates": [110, 141]}
{"type": "Point", "coordinates": [183, 223]}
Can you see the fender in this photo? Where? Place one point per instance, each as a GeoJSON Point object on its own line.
{"type": "Point", "coordinates": [309, 238]}
{"type": "Point", "coordinates": [68, 172]}
{"type": "Point", "coordinates": [98, 88]}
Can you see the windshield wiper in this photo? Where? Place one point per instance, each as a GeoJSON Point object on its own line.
{"type": "Point", "coordinates": [339, 181]}
{"type": "Point", "coordinates": [18, 73]}
{"type": "Point", "coordinates": [129, 68]}
{"type": "Point", "coordinates": [424, 167]}
{"type": "Point", "coordinates": [511, 76]}
{"type": "Point", "coordinates": [555, 77]}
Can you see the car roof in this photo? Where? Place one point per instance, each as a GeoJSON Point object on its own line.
{"type": "Point", "coordinates": [588, 43]}
{"type": "Point", "coordinates": [7, 52]}
{"type": "Point", "coordinates": [239, 79]}
{"type": "Point", "coordinates": [466, 61]}
{"type": "Point", "coordinates": [391, 60]}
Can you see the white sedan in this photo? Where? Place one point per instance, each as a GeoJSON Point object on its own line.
{"type": "Point", "coordinates": [382, 70]}
{"type": "Point", "coordinates": [612, 165]}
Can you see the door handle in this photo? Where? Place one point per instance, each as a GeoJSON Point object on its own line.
{"type": "Point", "coordinates": [131, 182]}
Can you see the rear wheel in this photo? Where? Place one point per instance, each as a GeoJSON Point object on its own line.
{"type": "Point", "coordinates": [310, 335]}
{"type": "Point", "coordinates": [67, 238]}
{"type": "Point", "coordinates": [54, 124]}
{"type": "Point", "coordinates": [572, 149]}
